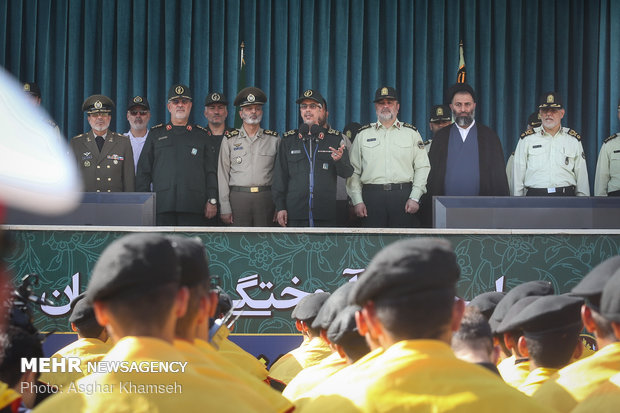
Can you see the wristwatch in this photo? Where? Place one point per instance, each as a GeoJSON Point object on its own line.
{"type": "Point", "coordinates": [212, 201]}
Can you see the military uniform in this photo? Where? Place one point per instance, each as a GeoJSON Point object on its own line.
{"type": "Point", "coordinates": [607, 178]}
{"type": "Point", "coordinates": [310, 353]}
{"type": "Point", "coordinates": [291, 180]}
{"type": "Point", "coordinates": [312, 376]}
{"type": "Point", "coordinates": [536, 378]}
{"type": "Point", "coordinates": [513, 371]}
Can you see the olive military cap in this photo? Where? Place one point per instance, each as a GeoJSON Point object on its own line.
{"type": "Point", "coordinates": [97, 104]}
{"type": "Point", "coordinates": [250, 96]}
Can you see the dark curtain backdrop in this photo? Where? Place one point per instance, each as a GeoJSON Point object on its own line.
{"type": "Point", "coordinates": [514, 51]}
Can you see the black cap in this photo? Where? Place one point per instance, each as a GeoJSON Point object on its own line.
{"type": "Point", "coordinates": [550, 100]}
{"type": "Point", "coordinates": [334, 304]}
{"type": "Point", "coordinates": [138, 101]}
{"type": "Point", "coordinates": [179, 91]}
{"type": "Point", "coordinates": [216, 97]}
{"type": "Point", "coordinates": [192, 259]}
{"type": "Point", "coordinates": [407, 267]}
{"type": "Point", "coordinates": [591, 286]}
{"type": "Point", "coordinates": [458, 88]}
{"type": "Point", "coordinates": [343, 324]}
{"type": "Point", "coordinates": [83, 314]}
{"type": "Point", "coordinates": [486, 302]}
{"type": "Point", "coordinates": [351, 130]}
{"type": "Point", "coordinates": [132, 264]}
{"type": "Point", "coordinates": [530, 288]}
{"type": "Point", "coordinates": [312, 95]}
{"type": "Point", "coordinates": [507, 323]}
{"type": "Point", "coordinates": [548, 314]}
{"type": "Point", "coordinates": [385, 92]}
{"type": "Point", "coordinates": [534, 120]}
{"type": "Point", "coordinates": [610, 299]}
{"type": "Point", "coordinates": [97, 104]}
{"type": "Point", "coordinates": [250, 96]}
{"type": "Point", "coordinates": [441, 113]}
{"type": "Point", "coordinates": [32, 89]}
{"type": "Point", "coordinates": [308, 307]}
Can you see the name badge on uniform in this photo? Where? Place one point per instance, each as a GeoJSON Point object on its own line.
{"type": "Point", "coordinates": [237, 148]}
{"type": "Point", "coordinates": [161, 138]}
{"type": "Point", "coordinates": [618, 151]}
{"type": "Point", "coordinates": [537, 146]}
{"type": "Point", "coordinates": [194, 151]}
{"type": "Point", "coordinates": [295, 152]}
{"type": "Point", "coordinates": [371, 140]}
{"type": "Point", "coordinates": [326, 166]}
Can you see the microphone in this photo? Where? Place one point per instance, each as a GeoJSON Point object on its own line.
{"type": "Point", "coordinates": [315, 130]}
{"type": "Point", "coordinates": [304, 131]}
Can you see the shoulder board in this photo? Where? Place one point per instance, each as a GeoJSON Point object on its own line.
{"type": "Point", "coordinates": [527, 133]}
{"type": "Point", "coordinates": [231, 134]}
{"type": "Point", "coordinates": [291, 132]}
{"type": "Point", "coordinates": [79, 136]}
{"type": "Point", "coordinates": [229, 130]}
{"type": "Point", "coordinates": [157, 126]}
{"type": "Point", "coordinates": [428, 142]}
{"type": "Point", "coordinates": [368, 125]}
{"type": "Point", "coordinates": [574, 134]}
{"type": "Point", "coordinates": [610, 138]}
{"type": "Point", "coordinates": [270, 132]}
{"type": "Point", "coordinates": [410, 126]}
{"type": "Point", "coordinates": [202, 128]}
{"type": "Point", "coordinates": [334, 132]}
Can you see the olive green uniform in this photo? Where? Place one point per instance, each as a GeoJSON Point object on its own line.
{"type": "Point", "coordinates": [607, 178]}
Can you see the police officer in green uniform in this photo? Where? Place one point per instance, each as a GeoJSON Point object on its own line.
{"type": "Point", "coordinates": [549, 160]}
{"type": "Point", "coordinates": [105, 158]}
{"type": "Point", "coordinates": [178, 161]}
{"type": "Point", "coordinates": [309, 161]}
{"type": "Point", "coordinates": [607, 178]}
{"type": "Point", "coordinates": [390, 167]}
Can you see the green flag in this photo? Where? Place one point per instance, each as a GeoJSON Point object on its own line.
{"type": "Point", "coordinates": [461, 74]}
{"type": "Point", "coordinates": [240, 83]}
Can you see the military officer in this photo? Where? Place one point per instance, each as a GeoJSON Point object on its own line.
{"type": "Point", "coordinates": [33, 90]}
{"type": "Point", "coordinates": [246, 162]}
{"type": "Point", "coordinates": [441, 116]}
{"type": "Point", "coordinates": [138, 116]}
{"type": "Point", "coordinates": [307, 166]}
{"type": "Point", "coordinates": [549, 160]}
{"type": "Point", "coordinates": [390, 167]}
{"type": "Point", "coordinates": [177, 159]}
{"type": "Point", "coordinates": [607, 178]}
{"type": "Point", "coordinates": [533, 121]}
{"type": "Point", "coordinates": [216, 113]}
{"type": "Point", "coordinates": [105, 158]}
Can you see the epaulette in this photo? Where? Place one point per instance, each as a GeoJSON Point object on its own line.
{"type": "Point", "coordinates": [428, 142]}
{"type": "Point", "coordinates": [334, 132]}
{"type": "Point", "coordinates": [615, 135]}
{"type": "Point", "coordinates": [202, 128]}
{"type": "Point", "coordinates": [291, 132]}
{"type": "Point", "coordinates": [368, 125]}
{"type": "Point", "coordinates": [270, 132]}
{"type": "Point", "coordinates": [157, 126]}
{"type": "Point", "coordinates": [574, 134]}
{"type": "Point", "coordinates": [527, 133]}
{"type": "Point", "coordinates": [79, 136]}
{"type": "Point", "coordinates": [410, 126]}
{"type": "Point", "coordinates": [231, 134]}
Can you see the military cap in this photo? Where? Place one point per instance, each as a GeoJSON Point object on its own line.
{"type": "Point", "coordinates": [32, 89]}
{"type": "Point", "coordinates": [179, 91]}
{"type": "Point", "coordinates": [250, 96]}
{"type": "Point", "coordinates": [385, 92]}
{"type": "Point", "coordinates": [407, 267]}
{"type": "Point", "coordinates": [343, 324]}
{"type": "Point", "coordinates": [548, 314]}
{"type": "Point", "coordinates": [610, 299]}
{"type": "Point", "coordinates": [350, 131]}
{"type": "Point", "coordinates": [216, 97]}
{"type": "Point", "coordinates": [312, 95]}
{"type": "Point", "coordinates": [550, 100]}
{"type": "Point", "coordinates": [530, 288]}
{"type": "Point", "coordinates": [591, 286]}
{"type": "Point", "coordinates": [82, 311]}
{"type": "Point", "coordinates": [458, 88]}
{"type": "Point", "coordinates": [507, 325]}
{"type": "Point", "coordinates": [534, 120]}
{"type": "Point", "coordinates": [308, 307]}
{"type": "Point", "coordinates": [334, 304]}
{"type": "Point", "coordinates": [97, 104]}
{"type": "Point", "coordinates": [441, 113]}
{"type": "Point", "coordinates": [138, 101]}
{"type": "Point", "coordinates": [486, 302]}
{"type": "Point", "coordinates": [192, 259]}
{"type": "Point", "coordinates": [133, 264]}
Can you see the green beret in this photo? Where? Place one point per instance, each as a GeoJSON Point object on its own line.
{"type": "Point", "coordinates": [192, 259]}
{"type": "Point", "coordinates": [535, 288]}
{"type": "Point", "coordinates": [334, 304]}
{"type": "Point", "coordinates": [591, 286]}
{"type": "Point", "coordinates": [83, 314]}
{"type": "Point", "coordinates": [308, 307]}
{"type": "Point", "coordinates": [343, 324]}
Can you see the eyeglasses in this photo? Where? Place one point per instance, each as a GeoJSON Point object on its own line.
{"type": "Point", "coordinates": [312, 106]}
{"type": "Point", "coordinates": [181, 101]}
{"type": "Point", "coordinates": [138, 112]}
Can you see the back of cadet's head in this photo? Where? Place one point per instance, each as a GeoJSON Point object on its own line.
{"type": "Point", "coordinates": [474, 334]}
{"type": "Point", "coordinates": [83, 317]}
{"type": "Point", "coordinates": [307, 309]}
{"type": "Point", "coordinates": [343, 332]}
{"type": "Point", "coordinates": [412, 284]}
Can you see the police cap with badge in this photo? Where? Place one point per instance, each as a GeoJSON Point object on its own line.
{"type": "Point", "coordinates": [32, 89]}
{"type": "Point", "coordinates": [250, 96]}
{"type": "Point", "coordinates": [385, 92]}
{"type": "Point", "coordinates": [138, 101]}
{"type": "Point", "coordinates": [97, 104]}
{"type": "Point", "coordinates": [179, 91]}
{"type": "Point", "coordinates": [312, 95]}
{"type": "Point", "coordinates": [215, 98]}
{"type": "Point", "coordinates": [308, 307]}
{"type": "Point", "coordinates": [550, 100]}
{"type": "Point", "coordinates": [534, 120]}
{"type": "Point", "coordinates": [440, 113]}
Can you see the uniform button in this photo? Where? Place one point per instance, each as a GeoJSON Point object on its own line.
{"type": "Point", "coordinates": [99, 179]}
{"type": "Point", "coordinates": [108, 166]}
{"type": "Point", "coordinates": [109, 179]}
{"type": "Point", "coordinates": [98, 190]}
{"type": "Point", "coordinates": [109, 190]}
{"type": "Point", "coordinates": [98, 167]}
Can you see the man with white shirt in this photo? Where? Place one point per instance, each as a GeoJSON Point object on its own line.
{"type": "Point", "coordinates": [138, 116]}
{"type": "Point", "coordinates": [466, 158]}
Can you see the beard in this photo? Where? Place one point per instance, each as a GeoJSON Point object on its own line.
{"type": "Point", "coordinates": [550, 124]}
{"type": "Point", "coordinates": [385, 115]}
{"type": "Point", "coordinates": [251, 119]}
{"type": "Point", "coordinates": [138, 124]}
{"type": "Point", "coordinates": [465, 119]}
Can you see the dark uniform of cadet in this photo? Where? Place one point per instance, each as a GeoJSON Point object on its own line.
{"type": "Point", "coordinates": [178, 161]}
{"type": "Point", "coordinates": [106, 163]}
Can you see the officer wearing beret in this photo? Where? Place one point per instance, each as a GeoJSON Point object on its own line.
{"type": "Point", "coordinates": [607, 178]}
{"type": "Point", "coordinates": [105, 158]}
{"type": "Point", "coordinates": [138, 116]}
{"type": "Point", "coordinates": [407, 296]}
{"type": "Point", "coordinates": [549, 159]}
{"type": "Point", "coordinates": [246, 163]}
{"type": "Point", "coordinates": [307, 166]}
{"type": "Point", "coordinates": [216, 113]}
{"type": "Point", "coordinates": [390, 167]}
{"type": "Point", "coordinates": [178, 161]}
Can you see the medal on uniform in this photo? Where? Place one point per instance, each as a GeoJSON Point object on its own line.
{"type": "Point", "coordinates": [86, 164]}
{"type": "Point", "coordinates": [115, 162]}
{"type": "Point", "coordinates": [566, 161]}
{"type": "Point", "coordinates": [194, 151]}
{"type": "Point", "coordinates": [238, 159]}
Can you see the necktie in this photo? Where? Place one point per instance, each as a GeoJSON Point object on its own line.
{"type": "Point", "coordinates": [99, 140]}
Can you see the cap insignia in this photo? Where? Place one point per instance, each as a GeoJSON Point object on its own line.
{"type": "Point", "coordinates": [439, 111]}
{"type": "Point", "coordinates": [308, 93]}
{"type": "Point", "coordinates": [179, 90]}
{"type": "Point", "coordinates": [27, 87]}
{"type": "Point", "coordinates": [384, 91]}
{"type": "Point", "coordinates": [251, 98]}
{"type": "Point", "coordinates": [550, 99]}
{"type": "Point", "coordinates": [98, 104]}
{"type": "Point", "coordinates": [137, 99]}
{"type": "Point", "coordinates": [215, 97]}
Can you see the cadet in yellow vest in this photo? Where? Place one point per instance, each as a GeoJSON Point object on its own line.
{"type": "Point", "coordinates": [578, 380]}
{"type": "Point", "coordinates": [607, 178]}
{"type": "Point", "coordinates": [549, 160]}
{"type": "Point", "coordinates": [135, 288]}
{"type": "Point", "coordinates": [105, 158]}
{"type": "Point", "coordinates": [407, 298]}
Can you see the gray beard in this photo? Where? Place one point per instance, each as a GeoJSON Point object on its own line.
{"type": "Point", "coordinates": [464, 121]}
